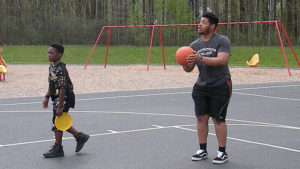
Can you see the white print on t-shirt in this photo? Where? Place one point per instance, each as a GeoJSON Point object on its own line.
{"type": "Point", "coordinates": [206, 51]}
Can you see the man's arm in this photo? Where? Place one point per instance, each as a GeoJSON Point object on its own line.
{"type": "Point", "coordinates": [221, 59]}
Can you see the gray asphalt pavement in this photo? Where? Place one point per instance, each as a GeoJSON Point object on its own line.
{"type": "Point", "coordinates": [155, 129]}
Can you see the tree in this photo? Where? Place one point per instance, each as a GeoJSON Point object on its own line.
{"type": "Point", "coordinates": [204, 6]}
{"type": "Point", "coordinates": [79, 21]}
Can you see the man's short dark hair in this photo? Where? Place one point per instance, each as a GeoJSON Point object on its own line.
{"type": "Point", "coordinates": [212, 18]}
{"type": "Point", "coordinates": [59, 48]}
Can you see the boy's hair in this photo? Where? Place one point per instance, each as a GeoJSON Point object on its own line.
{"type": "Point", "coordinates": [59, 48]}
{"type": "Point", "coordinates": [212, 18]}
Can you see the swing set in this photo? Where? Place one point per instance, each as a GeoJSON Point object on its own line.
{"type": "Point", "coordinates": [278, 24]}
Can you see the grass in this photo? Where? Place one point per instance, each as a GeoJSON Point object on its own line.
{"type": "Point", "coordinates": [124, 55]}
{"type": "Point", "coordinates": [269, 56]}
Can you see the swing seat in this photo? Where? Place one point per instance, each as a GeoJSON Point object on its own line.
{"type": "Point", "coordinates": [2, 69]}
{"type": "Point", "coordinates": [254, 62]}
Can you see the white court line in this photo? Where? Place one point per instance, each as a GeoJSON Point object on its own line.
{"type": "Point", "coordinates": [34, 142]}
{"type": "Point", "coordinates": [269, 97]}
{"type": "Point", "coordinates": [25, 111]}
{"type": "Point", "coordinates": [191, 116]}
{"type": "Point", "coordinates": [96, 112]}
{"type": "Point", "coordinates": [24, 143]}
{"type": "Point", "coordinates": [92, 135]}
{"type": "Point", "coordinates": [112, 131]}
{"type": "Point", "coordinates": [157, 126]}
{"type": "Point", "coordinates": [265, 87]}
{"type": "Point", "coordinates": [129, 96]}
{"type": "Point", "coordinates": [264, 125]}
{"type": "Point", "coordinates": [136, 113]}
{"type": "Point", "coordinates": [246, 141]}
{"type": "Point", "coordinates": [103, 98]}
{"type": "Point", "coordinates": [155, 114]}
{"type": "Point", "coordinates": [24, 103]}
{"type": "Point", "coordinates": [145, 95]}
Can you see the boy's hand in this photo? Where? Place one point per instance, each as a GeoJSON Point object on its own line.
{"type": "Point", "coordinates": [59, 111]}
{"type": "Point", "coordinates": [45, 103]}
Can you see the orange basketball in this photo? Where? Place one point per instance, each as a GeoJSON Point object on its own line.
{"type": "Point", "coordinates": [182, 53]}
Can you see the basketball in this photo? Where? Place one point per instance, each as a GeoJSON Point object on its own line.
{"type": "Point", "coordinates": [182, 53]}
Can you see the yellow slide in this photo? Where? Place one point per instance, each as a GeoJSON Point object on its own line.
{"type": "Point", "coordinates": [254, 61]}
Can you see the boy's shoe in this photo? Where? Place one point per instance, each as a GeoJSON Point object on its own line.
{"type": "Point", "coordinates": [81, 139]}
{"type": "Point", "coordinates": [200, 155]}
{"type": "Point", "coordinates": [222, 157]}
{"type": "Point", "coordinates": [55, 151]}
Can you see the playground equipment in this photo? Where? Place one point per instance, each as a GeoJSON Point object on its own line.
{"type": "Point", "coordinates": [254, 62]}
{"type": "Point", "coordinates": [278, 24]}
{"type": "Point", "coordinates": [2, 66]}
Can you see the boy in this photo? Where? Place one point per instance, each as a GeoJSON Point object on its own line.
{"type": "Point", "coordinates": [61, 92]}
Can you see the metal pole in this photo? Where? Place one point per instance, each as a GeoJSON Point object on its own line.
{"type": "Point", "coordinates": [150, 47]}
{"type": "Point", "coordinates": [162, 47]}
{"type": "Point", "coordinates": [107, 46]}
{"type": "Point", "coordinates": [96, 43]}
{"type": "Point", "coordinates": [289, 42]}
{"type": "Point", "coordinates": [281, 44]}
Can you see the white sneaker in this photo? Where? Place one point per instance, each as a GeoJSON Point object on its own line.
{"type": "Point", "coordinates": [222, 157]}
{"type": "Point", "coordinates": [200, 155]}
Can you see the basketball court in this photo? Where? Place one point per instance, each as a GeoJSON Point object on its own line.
{"type": "Point", "coordinates": [155, 129]}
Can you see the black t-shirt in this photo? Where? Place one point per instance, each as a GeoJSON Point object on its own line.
{"type": "Point", "coordinates": [59, 79]}
{"type": "Point", "coordinates": [212, 76]}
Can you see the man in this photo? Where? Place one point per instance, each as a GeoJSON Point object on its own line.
{"type": "Point", "coordinates": [212, 91]}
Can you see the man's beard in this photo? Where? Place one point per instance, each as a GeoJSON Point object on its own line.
{"type": "Point", "coordinates": [206, 32]}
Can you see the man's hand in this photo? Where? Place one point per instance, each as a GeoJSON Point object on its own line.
{"type": "Point", "coordinates": [193, 59]}
{"type": "Point", "coordinates": [189, 67]}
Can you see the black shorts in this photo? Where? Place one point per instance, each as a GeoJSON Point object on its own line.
{"type": "Point", "coordinates": [212, 100]}
{"type": "Point", "coordinates": [66, 108]}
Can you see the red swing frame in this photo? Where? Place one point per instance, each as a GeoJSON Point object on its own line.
{"type": "Point", "coordinates": [277, 23]}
